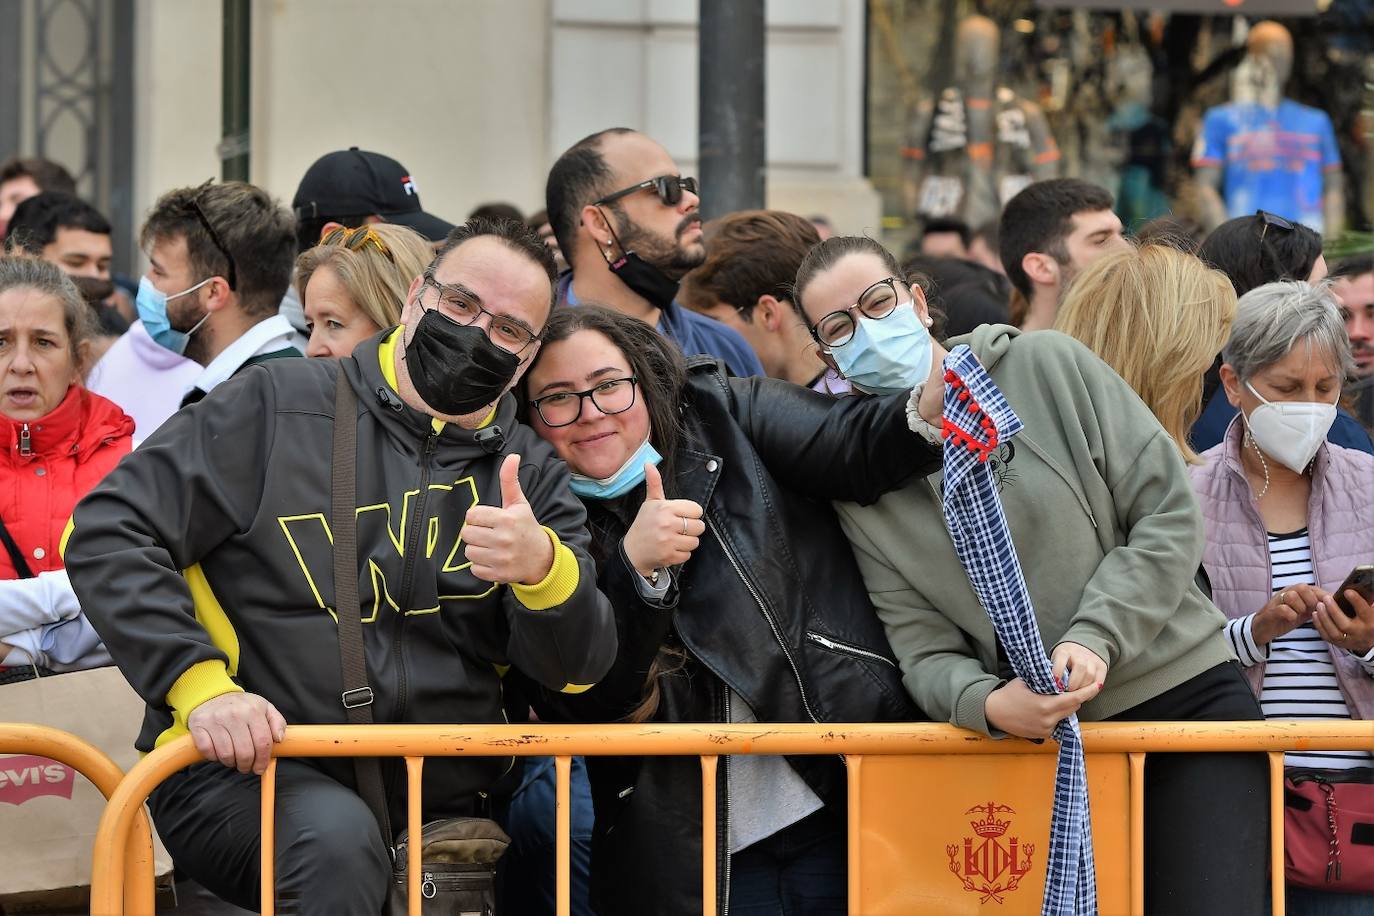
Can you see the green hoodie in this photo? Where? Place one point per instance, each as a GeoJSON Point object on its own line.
{"type": "Point", "coordinates": [1105, 523]}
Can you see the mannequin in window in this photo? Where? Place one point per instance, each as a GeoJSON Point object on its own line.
{"type": "Point", "coordinates": [1262, 151]}
{"type": "Point", "coordinates": [977, 144]}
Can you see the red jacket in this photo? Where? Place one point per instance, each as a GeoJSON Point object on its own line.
{"type": "Point", "coordinates": [50, 463]}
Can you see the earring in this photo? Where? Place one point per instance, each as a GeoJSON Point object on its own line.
{"type": "Point", "coordinates": [929, 321]}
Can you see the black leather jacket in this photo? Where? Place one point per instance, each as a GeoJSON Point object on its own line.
{"type": "Point", "coordinates": [770, 604]}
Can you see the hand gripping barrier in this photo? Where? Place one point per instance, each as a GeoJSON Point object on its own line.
{"type": "Point", "coordinates": [136, 853]}
{"type": "Point", "coordinates": [909, 791]}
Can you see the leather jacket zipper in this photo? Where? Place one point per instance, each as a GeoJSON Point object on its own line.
{"type": "Point", "coordinates": [412, 547]}
{"type": "Point", "coordinates": [845, 648]}
{"type": "Point", "coordinates": [773, 625]}
{"type": "Point", "coordinates": [25, 441]}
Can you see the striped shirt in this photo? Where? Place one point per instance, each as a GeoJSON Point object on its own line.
{"type": "Point", "coordinates": [1299, 677]}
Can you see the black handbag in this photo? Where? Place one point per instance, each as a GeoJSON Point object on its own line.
{"type": "Point", "coordinates": [457, 855]}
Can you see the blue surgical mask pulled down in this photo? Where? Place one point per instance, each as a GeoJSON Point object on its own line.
{"type": "Point", "coordinates": [630, 475]}
{"type": "Point", "coordinates": [152, 309]}
{"type": "Point", "coordinates": [886, 355]}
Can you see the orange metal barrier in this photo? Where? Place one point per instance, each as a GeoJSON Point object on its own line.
{"type": "Point", "coordinates": [136, 853]}
{"type": "Point", "coordinates": [900, 775]}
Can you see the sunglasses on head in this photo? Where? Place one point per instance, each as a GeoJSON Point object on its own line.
{"type": "Point", "coordinates": [233, 277]}
{"type": "Point", "coordinates": [355, 239]}
{"type": "Point", "coordinates": [668, 187]}
{"type": "Point", "coordinates": [1271, 219]}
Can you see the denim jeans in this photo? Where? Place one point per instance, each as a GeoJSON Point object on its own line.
{"type": "Point", "coordinates": [526, 871]}
{"type": "Point", "coordinates": [1305, 902]}
{"type": "Point", "coordinates": [801, 870]}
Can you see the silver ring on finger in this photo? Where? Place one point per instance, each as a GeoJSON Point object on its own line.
{"type": "Point", "coordinates": [1344, 635]}
{"type": "Point", "coordinates": [684, 524]}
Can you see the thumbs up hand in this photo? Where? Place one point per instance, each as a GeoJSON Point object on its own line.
{"type": "Point", "coordinates": [665, 532]}
{"type": "Point", "coordinates": [507, 544]}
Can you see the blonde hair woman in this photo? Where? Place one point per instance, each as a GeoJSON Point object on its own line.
{"type": "Point", "coordinates": [355, 281]}
{"type": "Point", "coordinates": [1158, 316]}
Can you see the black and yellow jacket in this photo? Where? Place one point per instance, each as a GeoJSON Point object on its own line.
{"type": "Point", "coordinates": [204, 561]}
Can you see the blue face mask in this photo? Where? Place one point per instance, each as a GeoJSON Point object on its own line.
{"type": "Point", "coordinates": [886, 355]}
{"type": "Point", "coordinates": [152, 309]}
{"type": "Point", "coordinates": [630, 475]}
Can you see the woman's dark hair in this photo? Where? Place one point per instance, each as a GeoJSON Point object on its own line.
{"type": "Point", "coordinates": [1253, 252]}
{"type": "Point", "coordinates": [969, 294]}
{"type": "Point", "coordinates": [830, 252]}
{"type": "Point", "coordinates": [655, 361]}
{"type": "Point", "coordinates": [661, 373]}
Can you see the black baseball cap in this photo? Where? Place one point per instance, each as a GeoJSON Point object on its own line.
{"type": "Point", "coordinates": [356, 183]}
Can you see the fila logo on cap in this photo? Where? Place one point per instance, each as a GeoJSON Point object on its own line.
{"type": "Point", "coordinates": [408, 184]}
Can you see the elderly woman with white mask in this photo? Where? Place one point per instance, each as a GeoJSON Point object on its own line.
{"type": "Point", "coordinates": [1287, 517]}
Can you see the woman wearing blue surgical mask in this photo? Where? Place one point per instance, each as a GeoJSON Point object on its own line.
{"type": "Point", "coordinates": [738, 600]}
{"type": "Point", "coordinates": [1106, 533]}
{"type": "Point", "coordinates": [1287, 519]}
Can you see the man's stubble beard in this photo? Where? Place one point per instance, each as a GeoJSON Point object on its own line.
{"type": "Point", "coordinates": [668, 256]}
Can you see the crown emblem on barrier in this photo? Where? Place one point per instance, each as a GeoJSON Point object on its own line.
{"type": "Point", "coordinates": [990, 825]}
{"type": "Point", "coordinates": [990, 865]}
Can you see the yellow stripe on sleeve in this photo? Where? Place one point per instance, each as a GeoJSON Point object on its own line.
{"type": "Point", "coordinates": [558, 586]}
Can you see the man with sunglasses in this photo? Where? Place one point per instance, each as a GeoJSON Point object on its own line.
{"type": "Point", "coordinates": [627, 221]}
{"type": "Point", "coordinates": [220, 260]}
{"type": "Point", "coordinates": [211, 555]}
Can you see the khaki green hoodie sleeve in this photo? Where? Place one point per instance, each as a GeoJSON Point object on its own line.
{"type": "Point", "coordinates": [940, 666]}
{"type": "Point", "coordinates": [1139, 584]}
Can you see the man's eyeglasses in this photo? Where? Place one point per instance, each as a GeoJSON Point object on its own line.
{"type": "Point", "coordinates": [233, 277]}
{"type": "Point", "coordinates": [668, 187]}
{"type": "Point", "coordinates": [509, 334]}
{"type": "Point", "coordinates": [355, 239]}
{"type": "Point", "coordinates": [563, 408]}
{"type": "Point", "coordinates": [837, 328]}
{"type": "Point", "coordinates": [1271, 219]}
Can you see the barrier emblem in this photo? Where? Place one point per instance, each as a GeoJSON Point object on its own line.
{"type": "Point", "coordinates": [990, 865]}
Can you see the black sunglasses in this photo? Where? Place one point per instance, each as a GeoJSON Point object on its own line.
{"type": "Point", "coordinates": [233, 277]}
{"type": "Point", "coordinates": [668, 187]}
{"type": "Point", "coordinates": [1271, 219]}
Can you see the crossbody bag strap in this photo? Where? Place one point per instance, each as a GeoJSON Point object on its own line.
{"type": "Point", "coordinates": [21, 565]}
{"type": "Point", "coordinates": [357, 695]}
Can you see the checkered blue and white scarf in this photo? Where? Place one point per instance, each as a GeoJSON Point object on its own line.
{"type": "Point", "coordinates": [976, 414]}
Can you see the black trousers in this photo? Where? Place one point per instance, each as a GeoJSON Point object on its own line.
{"type": "Point", "coordinates": [1206, 815]}
{"type": "Point", "coordinates": [329, 853]}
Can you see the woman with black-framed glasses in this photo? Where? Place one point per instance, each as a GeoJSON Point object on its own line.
{"type": "Point", "coordinates": [737, 600]}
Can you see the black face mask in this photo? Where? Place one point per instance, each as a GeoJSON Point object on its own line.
{"type": "Point", "coordinates": [94, 290]}
{"type": "Point", "coordinates": [645, 279]}
{"type": "Point", "coordinates": [456, 368]}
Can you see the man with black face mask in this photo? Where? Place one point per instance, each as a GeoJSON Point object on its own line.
{"type": "Point", "coordinates": [210, 553]}
{"type": "Point", "coordinates": [626, 220]}
{"type": "Point", "coordinates": [70, 233]}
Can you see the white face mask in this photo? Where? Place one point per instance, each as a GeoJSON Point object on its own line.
{"type": "Point", "coordinates": [1290, 431]}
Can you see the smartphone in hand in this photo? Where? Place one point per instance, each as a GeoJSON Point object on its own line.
{"type": "Point", "coordinates": [1361, 579]}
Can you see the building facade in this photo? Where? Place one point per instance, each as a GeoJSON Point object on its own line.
{"type": "Point", "coordinates": [476, 97]}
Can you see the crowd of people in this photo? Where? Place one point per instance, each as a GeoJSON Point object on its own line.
{"type": "Point", "coordinates": [616, 464]}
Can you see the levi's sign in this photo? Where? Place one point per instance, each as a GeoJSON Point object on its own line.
{"type": "Point", "coordinates": [24, 777]}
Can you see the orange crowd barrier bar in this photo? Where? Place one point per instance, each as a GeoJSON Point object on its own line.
{"type": "Point", "coordinates": [105, 775]}
{"type": "Point", "coordinates": [708, 741]}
